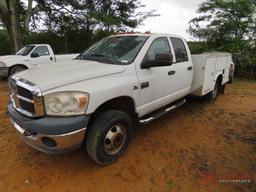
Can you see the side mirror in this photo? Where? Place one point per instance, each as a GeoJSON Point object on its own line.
{"type": "Point", "coordinates": [78, 57]}
{"type": "Point", "coordinates": [161, 60]}
{"type": "Point", "coordinates": [34, 55]}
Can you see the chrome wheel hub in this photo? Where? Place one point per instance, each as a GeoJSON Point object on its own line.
{"type": "Point", "coordinates": [115, 139]}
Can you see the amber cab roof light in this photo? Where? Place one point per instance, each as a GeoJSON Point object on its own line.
{"type": "Point", "coordinates": [132, 32]}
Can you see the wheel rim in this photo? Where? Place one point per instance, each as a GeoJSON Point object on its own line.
{"type": "Point", "coordinates": [115, 139]}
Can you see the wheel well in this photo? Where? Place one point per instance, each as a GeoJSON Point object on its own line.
{"type": "Point", "coordinates": [219, 79]}
{"type": "Point", "coordinates": [21, 65]}
{"type": "Point", "coordinates": [124, 103]}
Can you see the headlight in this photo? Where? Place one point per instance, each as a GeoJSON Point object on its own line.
{"type": "Point", "coordinates": [2, 64]}
{"type": "Point", "coordinates": [66, 103]}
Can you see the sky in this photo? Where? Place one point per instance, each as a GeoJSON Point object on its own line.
{"type": "Point", "coordinates": [174, 16]}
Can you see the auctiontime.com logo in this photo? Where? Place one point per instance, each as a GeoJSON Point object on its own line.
{"type": "Point", "coordinates": [238, 179]}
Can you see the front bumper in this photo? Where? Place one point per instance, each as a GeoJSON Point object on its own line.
{"type": "Point", "coordinates": [49, 134]}
{"type": "Point", "coordinates": [4, 71]}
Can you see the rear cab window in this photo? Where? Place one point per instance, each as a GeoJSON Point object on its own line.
{"type": "Point", "coordinates": [180, 50]}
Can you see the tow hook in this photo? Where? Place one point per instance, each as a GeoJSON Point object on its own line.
{"type": "Point", "coordinates": [28, 133]}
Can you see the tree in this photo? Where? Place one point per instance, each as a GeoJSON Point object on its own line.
{"type": "Point", "coordinates": [62, 16]}
{"type": "Point", "coordinates": [228, 25]}
{"type": "Point", "coordinates": [15, 18]}
{"type": "Point", "coordinates": [5, 44]}
{"type": "Point", "coordinates": [122, 15]}
{"type": "Point", "coordinates": [90, 15]}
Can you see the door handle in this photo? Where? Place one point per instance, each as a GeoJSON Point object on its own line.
{"type": "Point", "coordinates": [189, 68]}
{"type": "Point", "coordinates": [144, 85]}
{"type": "Point", "coordinates": [171, 72]}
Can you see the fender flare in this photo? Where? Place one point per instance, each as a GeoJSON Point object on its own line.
{"type": "Point", "coordinates": [22, 65]}
{"type": "Point", "coordinates": [219, 75]}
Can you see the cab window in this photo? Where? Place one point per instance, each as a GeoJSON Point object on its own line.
{"type": "Point", "coordinates": [159, 45]}
{"type": "Point", "coordinates": [25, 50]}
{"type": "Point", "coordinates": [180, 50]}
{"type": "Point", "coordinates": [42, 51]}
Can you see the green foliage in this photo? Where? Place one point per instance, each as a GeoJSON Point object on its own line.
{"type": "Point", "coordinates": [229, 25]}
{"type": "Point", "coordinates": [85, 17]}
{"type": "Point", "coordinates": [198, 47]}
{"type": "Point", "coordinates": [72, 42]}
{"type": "Point", "coordinates": [90, 15]}
{"type": "Point", "coordinates": [5, 47]}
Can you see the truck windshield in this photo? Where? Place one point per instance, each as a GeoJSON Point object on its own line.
{"type": "Point", "coordinates": [121, 50]}
{"type": "Point", "coordinates": [25, 50]}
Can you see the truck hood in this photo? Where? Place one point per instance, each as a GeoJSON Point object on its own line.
{"type": "Point", "coordinates": [62, 73]}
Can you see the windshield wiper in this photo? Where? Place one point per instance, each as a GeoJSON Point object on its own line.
{"type": "Point", "coordinates": [104, 57]}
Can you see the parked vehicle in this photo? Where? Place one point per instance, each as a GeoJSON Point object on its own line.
{"type": "Point", "coordinates": [30, 56]}
{"type": "Point", "coordinates": [100, 97]}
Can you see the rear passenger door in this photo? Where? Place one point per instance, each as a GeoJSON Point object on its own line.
{"type": "Point", "coordinates": [183, 67]}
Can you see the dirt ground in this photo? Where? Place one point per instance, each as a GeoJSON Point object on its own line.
{"type": "Point", "coordinates": [198, 147]}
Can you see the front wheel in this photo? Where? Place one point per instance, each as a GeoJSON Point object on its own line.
{"type": "Point", "coordinates": [109, 136]}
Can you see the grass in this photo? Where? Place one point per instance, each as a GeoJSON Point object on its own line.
{"type": "Point", "coordinates": [237, 80]}
{"type": "Point", "coordinates": [243, 87]}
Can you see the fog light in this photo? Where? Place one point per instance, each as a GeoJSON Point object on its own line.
{"type": "Point", "coordinates": [48, 142]}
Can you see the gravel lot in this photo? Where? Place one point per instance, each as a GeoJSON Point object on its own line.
{"type": "Point", "coordinates": [198, 147]}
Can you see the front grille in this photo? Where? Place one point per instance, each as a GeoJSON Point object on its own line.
{"type": "Point", "coordinates": [27, 106]}
{"type": "Point", "coordinates": [26, 97]}
{"type": "Point", "coordinates": [24, 92]}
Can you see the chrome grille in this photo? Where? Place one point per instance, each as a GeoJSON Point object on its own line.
{"type": "Point", "coordinates": [26, 97]}
{"type": "Point", "coordinates": [27, 106]}
{"type": "Point", "coordinates": [24, 92]}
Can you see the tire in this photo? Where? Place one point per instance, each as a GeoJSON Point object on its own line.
{"type": "Point", "coordinates": [109, 136]}
{"type": "Point", "coordinates": [16, 69]}
{"type": "Point", "coordinates": [222, 89]}
{"type": "Point", "coordinates": [214, 93]}
{"type": "Point", "coordinates": [230, 79]}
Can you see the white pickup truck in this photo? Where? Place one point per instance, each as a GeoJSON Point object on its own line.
{"type": "Point", "coordinates": [30, 56]}
{"type": "Point", "coordinates": [98, 99]}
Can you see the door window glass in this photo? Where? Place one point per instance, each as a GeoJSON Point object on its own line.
{"type": "Point", "coordinates": [42, 51]}
{"type": "Point", "coordinates": [180, 50]}
{"type": "Point", "coordinates": [160, 45]}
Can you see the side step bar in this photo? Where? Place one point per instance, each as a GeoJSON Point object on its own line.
{"type": "Point", "coordinates": [160, 113]}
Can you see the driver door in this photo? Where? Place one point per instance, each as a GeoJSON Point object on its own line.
{"type": "Point", "coordinates": [156, 82]}
{"type": "Point", "coordinates": [44, 56]}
